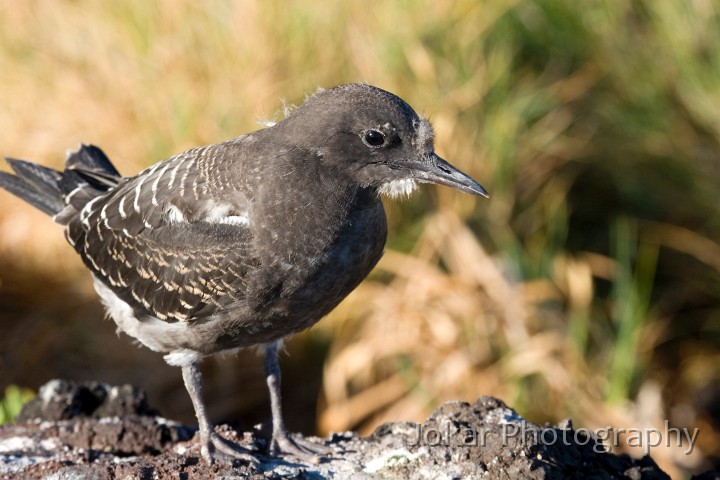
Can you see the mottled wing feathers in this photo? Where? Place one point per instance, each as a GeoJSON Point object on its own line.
{"type": "Point", "coordinates": [173, 242]}
{"type": "Point", "coordinates": [174, 273]}
{"type": "Point", "coordinates": [188, 187]}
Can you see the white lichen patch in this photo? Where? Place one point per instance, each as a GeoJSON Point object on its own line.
{"type": "Point", "coordinates": [393, 458]}
{"type": "Point", "coordinates": [16, 444]}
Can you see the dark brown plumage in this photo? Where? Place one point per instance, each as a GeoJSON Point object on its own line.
{"type": "Point", "coordinates": [244, 242]}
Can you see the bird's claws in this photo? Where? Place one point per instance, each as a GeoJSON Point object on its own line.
{"type": "Point", "coordinates": [285, 444]}
{"type": "Point", "coordinates": [218, 446]}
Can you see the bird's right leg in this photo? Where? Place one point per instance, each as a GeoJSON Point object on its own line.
{"type": "Point", "coordinates": [210, 442]}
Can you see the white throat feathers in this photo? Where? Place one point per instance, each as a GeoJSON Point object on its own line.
{"type": "Point", "coordinates": [401, 188]}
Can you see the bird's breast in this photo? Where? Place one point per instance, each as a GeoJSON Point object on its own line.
{"type": "Point", "coordinates": [314, 284]}
{"type": "Point", "coordinates": [351, 257]}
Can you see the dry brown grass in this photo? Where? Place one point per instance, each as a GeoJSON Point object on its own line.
{"type": "Point", "coordinates": [519, 297]}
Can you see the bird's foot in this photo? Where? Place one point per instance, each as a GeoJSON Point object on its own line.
{"type": "Point", "coordinates": [284, 443]}
{"type": "Point", "coordinates": [214, 446]}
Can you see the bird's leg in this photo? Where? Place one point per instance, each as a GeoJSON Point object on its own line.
{"type": "Point", "coordinates": [211, 443]}
{"type": "Point", "coordinates": [282, 441]}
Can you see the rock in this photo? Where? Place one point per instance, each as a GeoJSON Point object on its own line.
{"type": "Point", "coordinates": [63, 400]}
{"type": "Point", "coordinates": [96, 431]}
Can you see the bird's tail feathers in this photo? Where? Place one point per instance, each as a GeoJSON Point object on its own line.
{"type": "Point", "coordinates": [37, 185]}
{"type": "Point", "coordinates": [87, 174]}
{"type": "Point", "coordinates": [92, 164]}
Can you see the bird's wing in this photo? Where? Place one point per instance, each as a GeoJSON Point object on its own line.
{"type": "Point", "coordinates": [197, 185]}
{"type": "Point", "coordinates": [174, 241]}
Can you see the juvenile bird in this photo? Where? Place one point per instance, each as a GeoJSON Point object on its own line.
{"type": "Point", "coordinates": [245, 242]}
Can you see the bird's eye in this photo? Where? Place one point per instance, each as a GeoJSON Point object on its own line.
{"type": "Point", "coordinates": [373, 138]}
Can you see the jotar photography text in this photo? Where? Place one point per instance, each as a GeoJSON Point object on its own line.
{"type": "Point", "coordinates": [602, 439]}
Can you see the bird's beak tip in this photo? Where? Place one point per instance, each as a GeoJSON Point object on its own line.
{"type": "Point", "coordinates": [440, 171]}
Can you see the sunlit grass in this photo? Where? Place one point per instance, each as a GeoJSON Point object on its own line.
{"type": "Point", "coordinates": [587, 286]}
{"type": "Point", "coordinates": [632, 286]}
{"type": "Point", "coordinates": [11, 404]}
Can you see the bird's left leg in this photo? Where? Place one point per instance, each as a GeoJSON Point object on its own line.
{"type": "Point", "coordinates": [282, 442]}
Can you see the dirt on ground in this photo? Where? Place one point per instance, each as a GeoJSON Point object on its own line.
{"type": "Point", "coordinates": [97, 431]}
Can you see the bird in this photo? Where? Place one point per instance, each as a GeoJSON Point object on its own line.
{"type": "Point", "coordinates": [246, 242]}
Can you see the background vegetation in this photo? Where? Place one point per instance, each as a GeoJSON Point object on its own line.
{"type": "Point", "coordinates": [588, 286]}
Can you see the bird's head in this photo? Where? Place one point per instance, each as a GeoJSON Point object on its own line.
{"type": "Point", "coordinates": [374, 138]}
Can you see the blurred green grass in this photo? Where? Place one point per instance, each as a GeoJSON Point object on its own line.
{"type": "Point", "coordinates": [13, 401]}
{"type": "Point", "coordinates": [595, 126]}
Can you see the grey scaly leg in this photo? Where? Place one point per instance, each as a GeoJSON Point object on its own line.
{"type": "Point", "coordinates": [210, 442]}
{"type": "Point", "coordinates": [282, 441]}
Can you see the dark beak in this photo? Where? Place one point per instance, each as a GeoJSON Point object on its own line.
{"type": "Point", "coordinates": [436, 170]}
